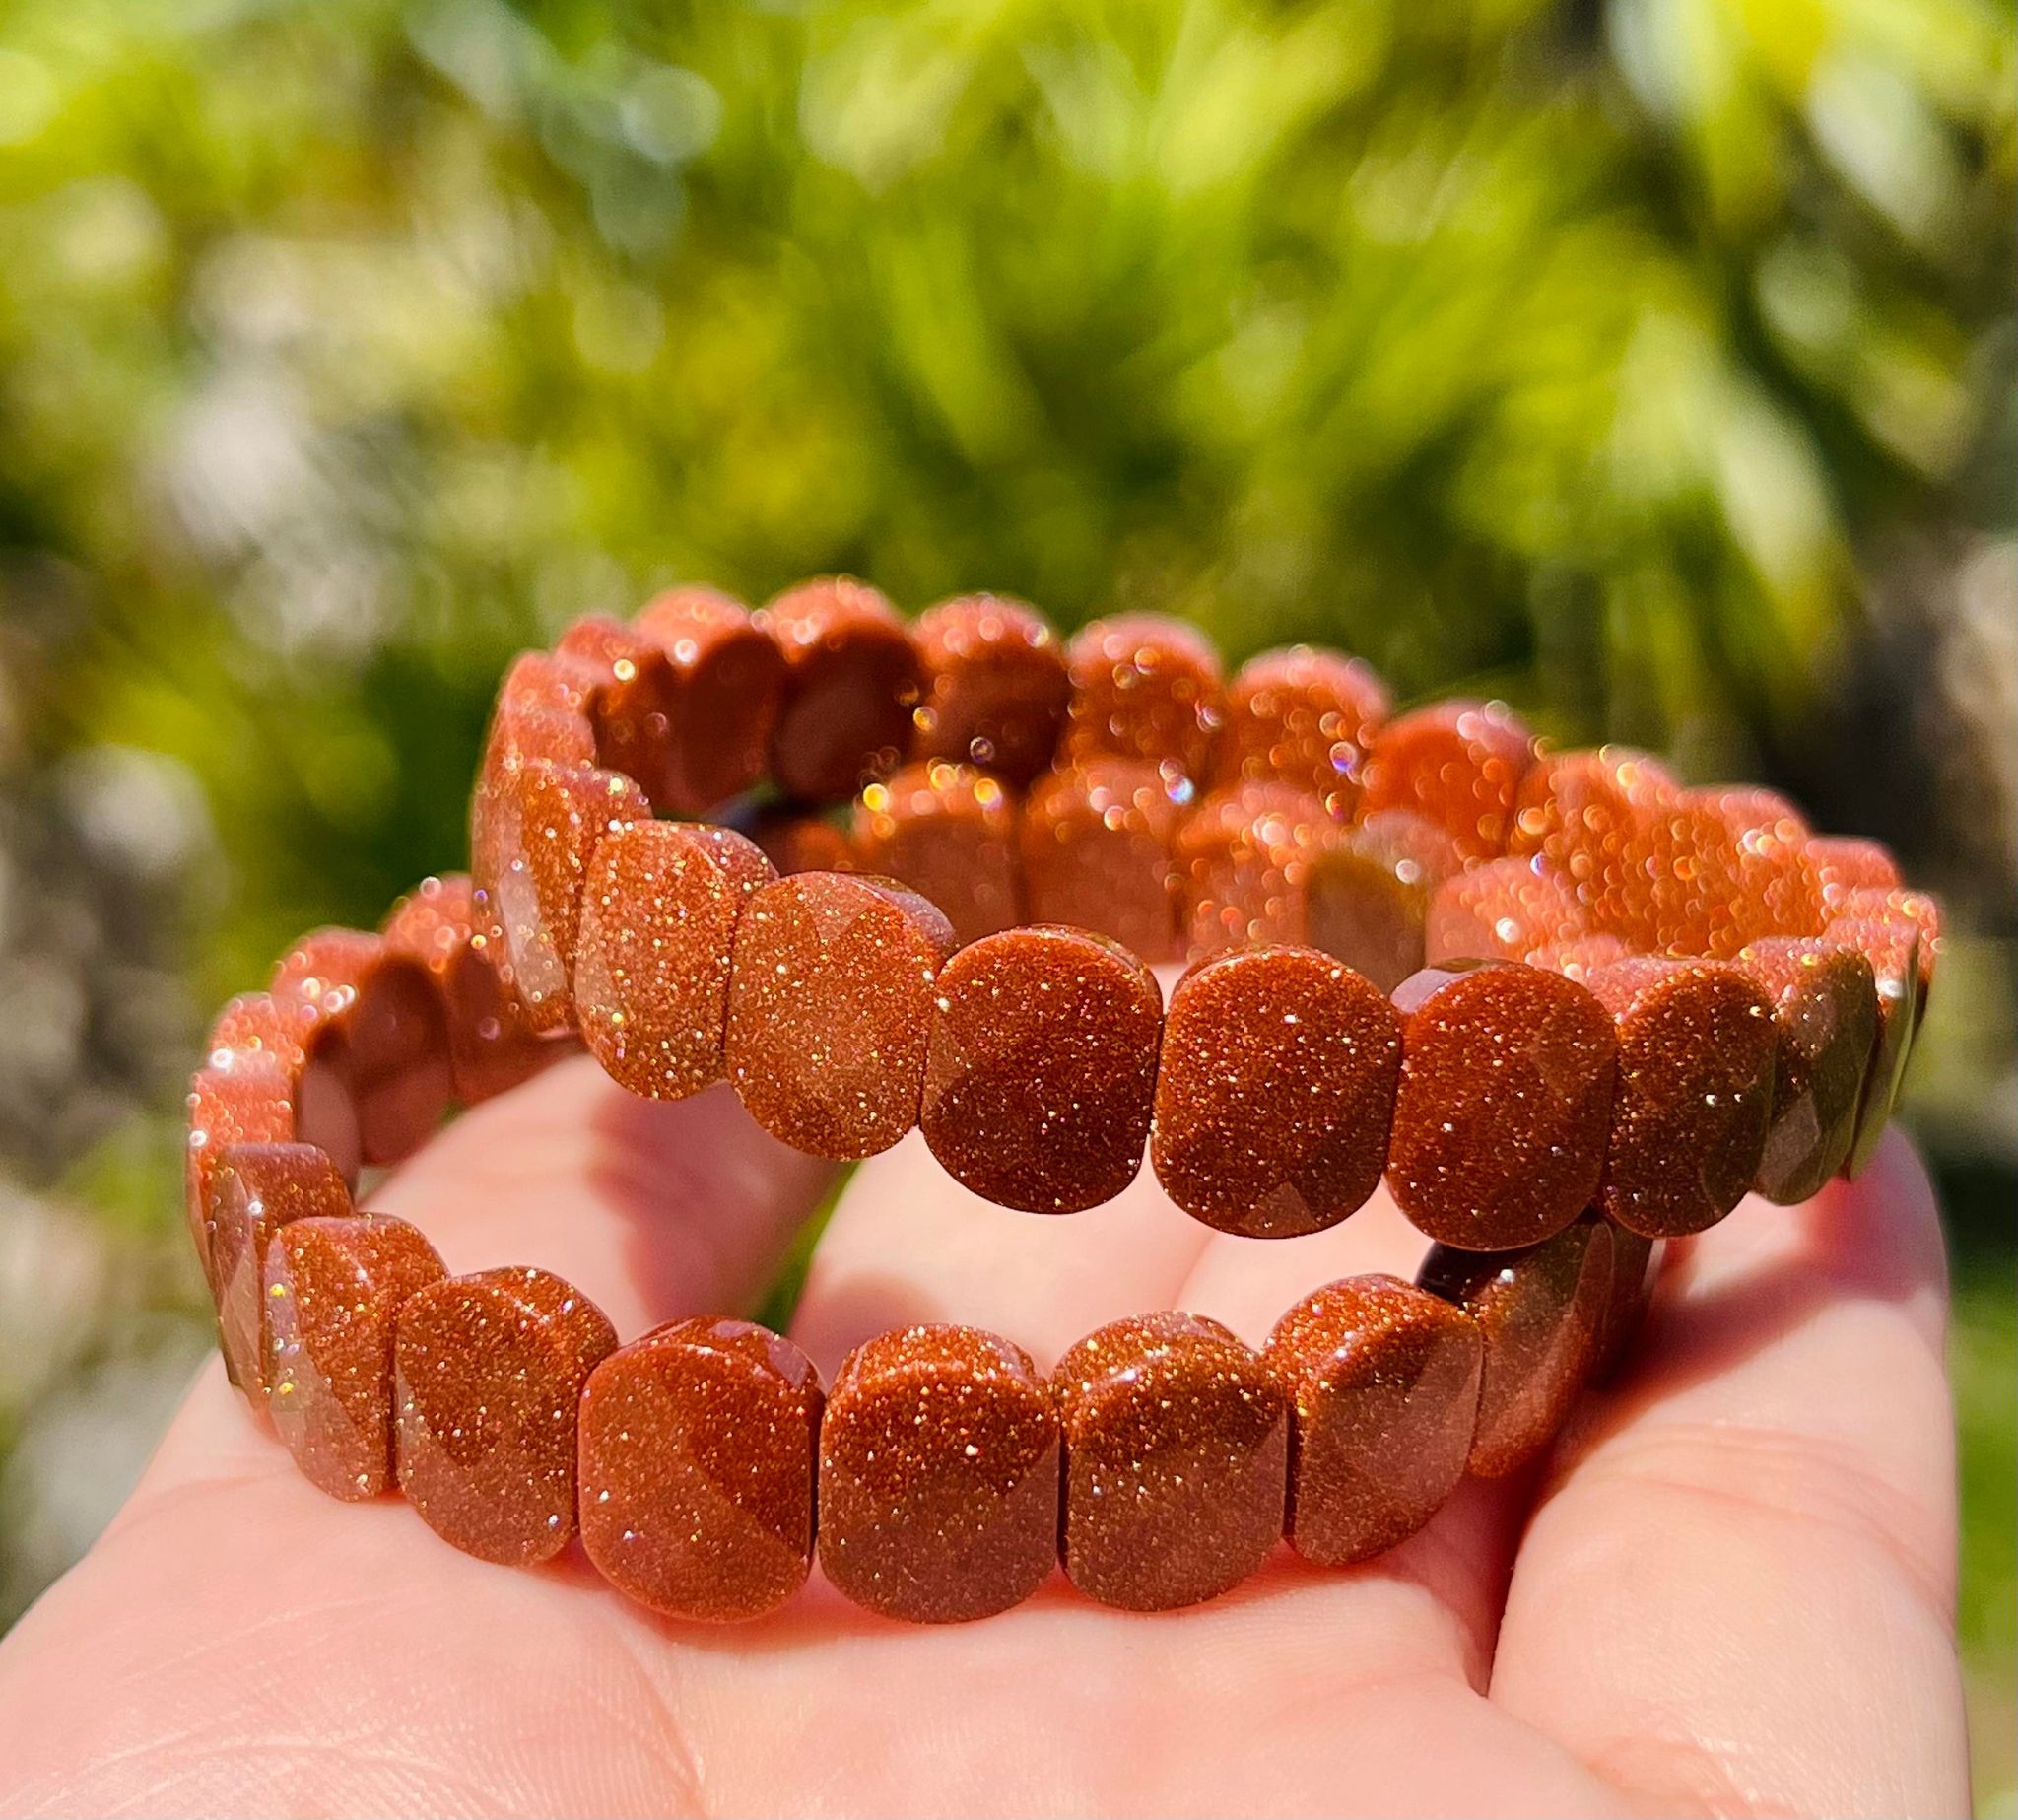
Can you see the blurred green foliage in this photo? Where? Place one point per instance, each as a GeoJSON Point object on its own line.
{"type": "Point", "coordinates": [1558, 348]}
{"type": "Point", "coordinates": [1604, 355]}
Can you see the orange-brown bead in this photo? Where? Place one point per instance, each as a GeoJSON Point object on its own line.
{"type": "Point", "coordinates": [490, 1047]}
{"type": "Point", "coordinates": [256, 1024]}
{"type": "Point", "coordinates": [699, 1446]}
{"type": "Point", "coordinates": [1306, 717]}
{"type": "Point", "coordinates": [1458, 764]}
{"type": "Point", "coordinates": [728, 685]}
{"type": "Point", "coordinates": [1505, 1106]}
{"type": "Point", "coordinates": [1542, 1312]}
{"type": "Point", "coordinates": [333, 1286]}
{"type": "Point", "coordinates": [1844, 863]}
{"type": "Point", "coordinates": [1697, 1047]}
{"type": "Point", "coordinates": [1274, 1092]}
{"type": "Point", "coordinates": [948, 832]}
{"type": "Point", "coordinates": [1097, 846]}
{"type": "Point", "coordinates": [939, 1476]}
{"type": "Point", "coordinates": [1682, 883]}
{"type": "Point", "coordinates": [1825, 1011]}
{"type": "Point", "coordinates": [1367, 893]}
{"type": "Point", "coordinates": [1244, 858]}
{"type": "Point", "coordinates": [488, 1373]}
{"type": "Point", "coordinates": [374, 1034]}
{"type": "Point", "coordinates": [1892, 945]}
{"type": "Point", "coordinates": [532, 836]}
{"type": "Point", "coordinates": [1501, 911]}
{"type": "Point", "coordinates": [248, 1100]}
{"type": "Point", "coordinates": [831, 1002]}
{"type": "Point", "coordinates": [1384, 1380]}
{"type": "Point", "coordinates": [652, 969]}
{"type": "Point", "coordinates": [995, 688]}
{"type": "Point", "coordinates": [541, 714]}
{"type": "Point", "coordinates": [628, 696]}
{"type": "Point", "coordinates": [1780, 892]}
{"type": "Point", "coordinates": [255, 1189]}
{"type": "Point", "coordinates": [1042, 1066]}
{"type": "Point", "coordinates": [1868, 904]}
{"type": "Point", "coordinates": [1176, 1454]}
{"type": "Point", "coordinates": [852, 681]}
{"type": "Point", "coordinates": [1582, 812]}
{"type": "Point", "coordinates": [1144, 685]}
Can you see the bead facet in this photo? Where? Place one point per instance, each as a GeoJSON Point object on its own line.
{"type": "Point", "coordinates": [1041, 1071]}
{"type": "Point", "coordinates": [699, 1446]}
{"type": "Point", "coordinates": [1505, 1105]}
{"type": "Point", "coordinates": [1146, 687]}
{"type": "Point", "coordinates": [852, 681]}
{"type": "Point", "coordinates": [728, 683]}
{"type": "Point", "coordinates": [1176, 1452]}
{"type": "Point", "coordinates": [488, 1373]}
{"type": "Point", "coordinates": [1542, 1312]}
{"type": "Point", "coordinates": [1501, 911]}
{"type": "Point", "coordinates": [1306, 717]}
{"type": "Point", "coordinates": [829, 1009]}
{"type": "Point", "coordinates": [490, 1047]}
{"type": "Point", "coordinates": [1825, 1011]}
{"type": "Point", "coordinates": [652, 971]}
{"type": "Point", "coordinates": [939, 1476]}
{"type": "Point", "coordinates": [1275, 1092]}
{"type": "Point", "coordinates": [995, 688]}
{"type": "Point", "coordinates": [1383, 1379]}
{"type": "Point", "coordinates": [1697, 1045]}
{"type": "Point", "coordinates": [254, 1191]}
{"type": "Point", "coordinates": [1244, 856]}
{"type": "Point", "coordinates": [333, 1286]}
{"type": "Point", "coordinates": [1458, 764]}
{"type": "Point", "coordinates": [532, 836]}
{"type": "Point", "coordinates": [1368, 890]}
{"type": "Point", "coordinates": [949, 833]}
{"type": "Point", "coordinates": [1098, 844]}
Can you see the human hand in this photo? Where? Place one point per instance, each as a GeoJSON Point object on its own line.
{"type": "Point", "coordinates": [1730, 1592]}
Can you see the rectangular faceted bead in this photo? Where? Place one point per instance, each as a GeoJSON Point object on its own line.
{"type": "Point", "coordinates": [256, 1191]}
{"type": "Point", "coordinates": [1543, 1312]}
{"type": "Point", "coordinates": [1367, 893]}
{"type": "Point", "coordinates": [652, 971]}
{"type": "Point", "coordinates": [1098, 846]}
{"type": "Point", "coordinates": [1825, 1011]}
{"type": "Point", "coordinates": [488, 1373]}
{"type": "Point", "coordinates": [699, 1446]}
{"type": "Point", "coordinates": [490, 1047]}
{"type": "Point", "coordinates": [1384, 1380]}
{"type": "Point", "coordinates": [829, 1009]}
{"type": "Point", "coordinates": [248, 1101]}
{"type": "Point", "coordinates": [332, 1286]}
{"type": "Point", "coordinates": [1176, 1456]}
{"type": "Point", "coordinates": [938, 1475]}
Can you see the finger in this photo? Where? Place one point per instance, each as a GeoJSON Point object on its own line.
{"type": "Point", "coordinates": [908, 1243]}
{"type": "Point", "coordinates": [1446, 1582]}
{"type": "Point", "coordinates": [1738, 1595]}
{"type": "Point", "coordinates": [654, 1209]}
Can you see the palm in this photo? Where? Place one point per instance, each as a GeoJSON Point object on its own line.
{"type": "Point", "coordinates": [1732, 1593]}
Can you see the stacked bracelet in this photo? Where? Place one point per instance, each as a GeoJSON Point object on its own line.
{"type": "Point", "coordinates": [879, 877]}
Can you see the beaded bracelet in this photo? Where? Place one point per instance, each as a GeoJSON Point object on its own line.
{"type": "Point", "coordinates": [1566, 1007]}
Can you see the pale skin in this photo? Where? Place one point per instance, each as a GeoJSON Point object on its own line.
{"type": "Point", "coordinates": [1729, 1592]}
